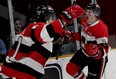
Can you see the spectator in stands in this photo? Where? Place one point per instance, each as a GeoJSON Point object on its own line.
{"type": "Point", "coordinates": [17, 25]}
{"type": "Point", "coordinates": [3, 51]}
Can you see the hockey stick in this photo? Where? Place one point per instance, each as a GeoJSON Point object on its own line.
{"type": "Point", "coordinates": [17, 48]}
{"type": "Point", "coordinates": [59, 48]}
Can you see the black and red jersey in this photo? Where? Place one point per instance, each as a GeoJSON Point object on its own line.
{"type": "Point", "coordinates": [96, 33]}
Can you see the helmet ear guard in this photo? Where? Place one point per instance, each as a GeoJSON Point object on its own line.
{"type": "Point", "coordinates": [44, 13]}
{"type": "Point", "coordinates": [95, 7]}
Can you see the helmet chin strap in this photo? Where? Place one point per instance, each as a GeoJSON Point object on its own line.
{"type": "Point", "coordinates": [47, 22]}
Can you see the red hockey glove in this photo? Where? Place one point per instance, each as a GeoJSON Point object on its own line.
{"type": "Point", "coordinates": [71, 13]}
{"type": "Point", "coordinates": [92, 50]}
{"type": "Point", "coordinates": [72, 35]}
{"type": "Point", "coordinates": [68, 33]}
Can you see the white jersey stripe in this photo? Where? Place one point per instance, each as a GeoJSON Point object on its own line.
{"type": "Point", "coordinates": [33, 64]}
{"type": "Point", "coordinates": [30, 63]}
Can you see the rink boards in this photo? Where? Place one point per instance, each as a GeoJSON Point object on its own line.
{"type": "Point", "coordinates": [55, 69]}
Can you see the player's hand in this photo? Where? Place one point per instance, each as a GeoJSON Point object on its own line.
{"type": "Point", "coordinates": [71, 13]}
{"type": "Point", "coordinates": [72, 35]}
{"type": "Point", "coordinates": [91, 50]}
{"type": "Point", "coordinates": [68, 33]}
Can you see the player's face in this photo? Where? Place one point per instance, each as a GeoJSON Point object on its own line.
{"type": "Point", "coordinates": [51, 20]}
{"type": "Point", "coordinates": [89, 13]}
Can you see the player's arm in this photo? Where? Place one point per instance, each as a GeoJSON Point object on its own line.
{"type": "Point", "coordinates": [55, 29]}
{"type": "Point", "coordinates": [103, 45]}
{"type": "Point", "coordinates": [98, 50]}
{"type": "Point", "coordinates": [67, 16]}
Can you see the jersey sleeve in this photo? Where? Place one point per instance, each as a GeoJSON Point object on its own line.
{"type": "Point", "coordinates": [102, 38]}
{"type": "Point", "coordinates": [50, 32]}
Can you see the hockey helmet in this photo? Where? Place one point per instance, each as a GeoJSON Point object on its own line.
{"type": "Point", "coordinates": [44, 13]}
{"type": "Point", "coordinates": [95, 7]}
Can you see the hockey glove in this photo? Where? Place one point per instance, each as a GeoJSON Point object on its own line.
{"type": "Point", "coordinates": [92, 50]}
{"type": "Point", "coordinates": [72, 35]}
{"type": "Point", "coordinates": [71, 13]}
{"type": "Point", "coordinates": [68, 33]}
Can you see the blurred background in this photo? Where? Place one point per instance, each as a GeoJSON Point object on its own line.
{"type": "Point", "coordinates": [25, 9]}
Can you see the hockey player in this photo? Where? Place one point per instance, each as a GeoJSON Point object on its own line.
{"type": "Point", "coordinates": [94, 46]}
{"type": "Point", "coordinates": [33, 46]}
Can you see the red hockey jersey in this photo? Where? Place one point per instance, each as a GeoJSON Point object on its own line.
{"type": "Point", "coordinates": [31, 50]}
{"type": "Point", "coordinates": [96, 33]}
